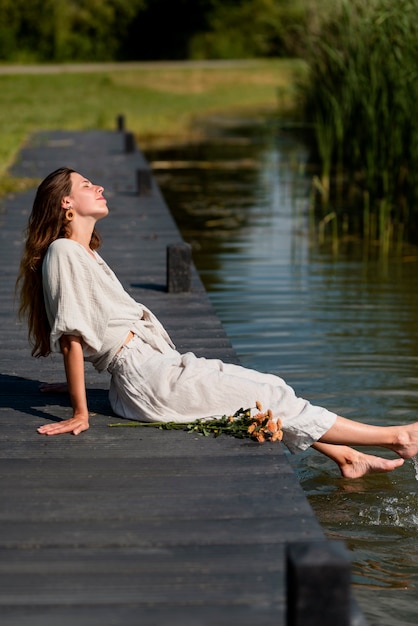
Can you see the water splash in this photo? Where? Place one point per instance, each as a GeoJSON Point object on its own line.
{"type": "Point", "coordinates": [415, 462]}
{"type": "Point", "coordinates": [392, 512]}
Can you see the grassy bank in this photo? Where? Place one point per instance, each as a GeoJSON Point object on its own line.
{"type": "Point", "coordinates": [159, 101]}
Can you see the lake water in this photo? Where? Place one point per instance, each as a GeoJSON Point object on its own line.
{"type": "Point", "coordinates": [341, 326]}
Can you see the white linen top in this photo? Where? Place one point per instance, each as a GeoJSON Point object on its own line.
{"type": "Point", "coordinates": [83, 297]}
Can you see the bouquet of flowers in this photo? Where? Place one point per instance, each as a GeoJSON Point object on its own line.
{"type": "Point", "coordinates": [260, 427]}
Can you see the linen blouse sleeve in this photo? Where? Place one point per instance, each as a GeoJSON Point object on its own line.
{"type": "Point", "coordinates": [73, 301]}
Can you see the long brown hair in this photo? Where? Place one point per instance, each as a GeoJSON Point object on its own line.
{"type": "Point", "coordinates": [47, 222]}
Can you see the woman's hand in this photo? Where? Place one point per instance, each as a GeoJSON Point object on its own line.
{"type": "Point", "coordinates": [72, 351]}
{"type": "Point", "coordinates": [76, 425]}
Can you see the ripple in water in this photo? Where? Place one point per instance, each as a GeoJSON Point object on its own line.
{"type": "Point", "coordinates": [340, 328]}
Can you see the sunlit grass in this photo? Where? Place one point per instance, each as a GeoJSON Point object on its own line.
{"type": "Point", "coordinates": [159, 101]}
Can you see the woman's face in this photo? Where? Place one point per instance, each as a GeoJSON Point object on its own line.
{"type": "Point", "coordinates": [86, 199]}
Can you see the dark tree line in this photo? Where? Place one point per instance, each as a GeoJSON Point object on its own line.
{"type": "Point", "coordinates": [105, 30]}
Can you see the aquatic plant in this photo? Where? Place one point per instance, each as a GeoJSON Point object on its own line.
{"type": "Point", "coordinates": [360, 99]}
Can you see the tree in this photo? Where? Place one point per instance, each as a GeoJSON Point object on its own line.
{"type": "Point", "coordinates": [251, 28]}
{"type": "Point", "coordinates": [163, 29]}
{"type": "Point", "coordinates": [65, 30]}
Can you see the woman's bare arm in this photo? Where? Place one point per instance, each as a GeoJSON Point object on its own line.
{"type": "Point", "coordinates": [72, 351]}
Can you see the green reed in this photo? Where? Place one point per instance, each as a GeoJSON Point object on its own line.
{"type": "Point", "coordinates": [360, 97]}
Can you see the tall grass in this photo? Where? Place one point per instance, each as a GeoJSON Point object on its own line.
{"type": "Point", "coordinates": [361, 97]}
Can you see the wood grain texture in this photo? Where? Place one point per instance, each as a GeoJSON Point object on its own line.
{"type": "Point", "coordinates": [130, 525]}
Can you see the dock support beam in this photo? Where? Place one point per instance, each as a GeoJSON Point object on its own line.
{"type": "Point", "coordinates": [144, 182]}
{"type": "Point", "coordinates": [129, 142]}
{"type": "Point", "coordinates": [179, 268]}
{"type": "Point", "coordinates": [120, 123]}
{"type": "Point", "coordinates": [318, 584]}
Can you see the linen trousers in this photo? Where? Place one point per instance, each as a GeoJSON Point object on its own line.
{"type": "Point", "coordinates": [149, 385]}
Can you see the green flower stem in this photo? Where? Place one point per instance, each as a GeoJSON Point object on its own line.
{"type": "Point", "coordinates": [240, 425]}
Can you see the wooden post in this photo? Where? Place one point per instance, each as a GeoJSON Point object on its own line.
{"type": "Point", "coordinates": [318, 584]}
{"type": "Point", "coordinates": [129, 142]}
{"type": "Point", "coordinates": [120, 123]}
{"type": "Point", "coordinates": [179, 268]}
{"type": "Point", "coordinates": [144, 182]}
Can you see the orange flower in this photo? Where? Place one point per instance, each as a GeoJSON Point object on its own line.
{"type": "Point", "coordinates": [271, 426]}
{"type": "Point", "coordinates": [259, 406]}
{"type": "Point", "coordinates": [259, 417]}
{"type": "Point", "coordinates": [251, 428]}
{"type": "Point", "coordinates": [259, 437]}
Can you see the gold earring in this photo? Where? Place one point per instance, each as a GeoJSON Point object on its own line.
{"type": "Point", "coordinates": [69, 214]}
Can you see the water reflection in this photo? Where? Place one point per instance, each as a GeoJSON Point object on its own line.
{"type": "Point", "coordinates": [341, 328]}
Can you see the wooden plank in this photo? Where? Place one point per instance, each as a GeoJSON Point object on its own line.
{"type": "Point", "coordinates": [131, 525]}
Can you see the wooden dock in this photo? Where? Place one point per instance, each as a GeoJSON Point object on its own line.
{"type": "Point", "coordinates": [132, 526]}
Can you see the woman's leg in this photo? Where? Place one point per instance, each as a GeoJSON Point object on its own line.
{"type": "Point", "coordinates": [400, 439]}
{"type": "Point", "coordinates": [355, 464]}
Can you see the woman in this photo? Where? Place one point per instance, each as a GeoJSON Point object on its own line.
{"type": "Point", "coordinates": [75, 305]}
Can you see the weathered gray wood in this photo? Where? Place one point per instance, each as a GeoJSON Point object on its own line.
{"type": "Point", "coordinates": [144, 181]}
{"type": "Point", "coordinates": [179, 267]}
{"type": "Point", "coordinates": [129, 142]}
{"type": "Point", "coordinates": [318, 584]}
{"type": "Point", "coordinates": [120, 123]}
{"type": "Point", "coordinates": [130, 525]}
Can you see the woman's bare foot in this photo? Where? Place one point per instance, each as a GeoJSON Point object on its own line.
{"type": "Point", "coordinates": [53, 388]}
{"type": "Point", "coordinates": [406, 441]}
{"type": "Point", "coordinates": [357, 464]}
